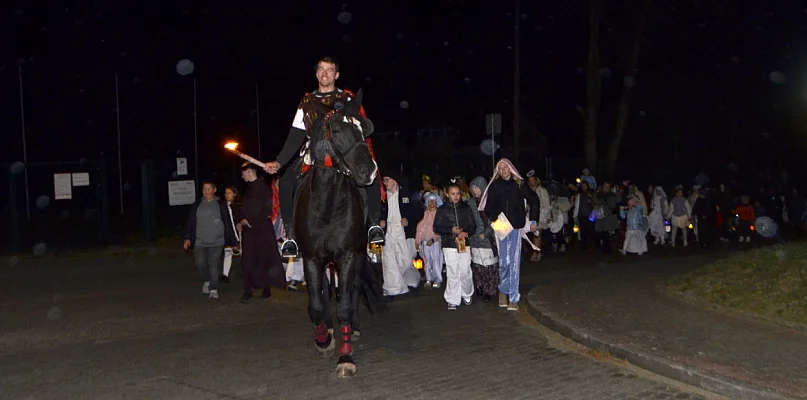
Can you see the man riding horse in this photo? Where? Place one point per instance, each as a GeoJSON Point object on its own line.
{"type": "Point", "coordinates": [325, 97]}
{"type": "Point", "coordinates": [330, 222]}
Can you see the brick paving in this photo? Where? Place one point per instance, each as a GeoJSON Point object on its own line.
{"type": "Point", "coordinates": [137, 327]}
{"type": "Point", "coordinates": [727, 352]}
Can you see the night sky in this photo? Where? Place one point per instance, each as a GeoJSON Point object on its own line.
{"type": "Point", "coordinates": [706, 66]}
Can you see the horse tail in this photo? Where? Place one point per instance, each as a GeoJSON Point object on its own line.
{"type": "Point", "coordinates": [370, 288]}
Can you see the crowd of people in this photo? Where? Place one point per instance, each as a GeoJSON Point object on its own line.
{"type": "Point", "coordinates": [466, 238]}
{"type": "Point", "coordinates": [463, 238]}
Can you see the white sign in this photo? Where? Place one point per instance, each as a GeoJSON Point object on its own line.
{"type": "Point", "coordinates": [182, 166]}
{"type": "Point", "coordinates": [181, 193]}
{"type": "Point", "coordinates": [62, 187]}
{"type": "Point", "coordinates": [81, 179]}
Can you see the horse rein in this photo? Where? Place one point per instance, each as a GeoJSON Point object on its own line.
{"type": "Point", "coordinates": [336, 157]}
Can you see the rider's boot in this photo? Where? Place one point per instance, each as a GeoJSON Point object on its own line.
{"type": "Point", "coordinates": [375, 235]}
{"type": "Point", "coordinates": [288, 250]}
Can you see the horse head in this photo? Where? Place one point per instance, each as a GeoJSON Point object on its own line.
{"type": "Point", "coordinates": [341, 137]}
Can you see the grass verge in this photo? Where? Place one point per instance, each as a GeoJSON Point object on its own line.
{"type": "Point", "coordinates": [770, 282]}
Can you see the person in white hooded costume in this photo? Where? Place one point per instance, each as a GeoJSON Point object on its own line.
{"type": "Point", "coordinates": [399, 217]}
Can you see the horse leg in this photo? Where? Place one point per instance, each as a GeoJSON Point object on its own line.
{"type": "Point", "coordinates": [326, 302]}
{"type": "Point", "coordinates": [323, 340]}
{"type": "Point", "coordinates": [346, 267]}
{"type": "Point", "coordinates": [333, 288]}
{"type": "Point", "coordinates": [355, 304]}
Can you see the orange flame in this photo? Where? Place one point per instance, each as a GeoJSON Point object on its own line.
{"type": "Point", "coordinates": [231, 146]}
{"type": "Point", "coordinates": [418, 263]}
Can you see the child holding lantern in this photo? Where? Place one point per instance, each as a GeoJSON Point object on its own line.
{"type": "Point", "coordinates": [455, 222]}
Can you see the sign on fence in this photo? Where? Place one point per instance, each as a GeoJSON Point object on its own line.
{"type": "Point", "coordinates": [62, 187]}
{"type": "Point", "coordinates": [182, 166]}
{"type": "Point", "coordinates": [81, 179]}
{"type": "Point", "coordinates": [181, 193]}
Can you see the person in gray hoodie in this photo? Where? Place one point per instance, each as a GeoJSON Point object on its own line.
{"type": "Point", "coordinates": [207, 231]}
{"type": "Point", "coordinates": [484, 257]}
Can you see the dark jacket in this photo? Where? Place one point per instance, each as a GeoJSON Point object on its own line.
{"type": "Point", "coordinates": [483, 227]}
{"type": "Point", "coordinates": [704, 206]}
{"type": "Point", "coordinates": [256, 205]}
{"type": "Point", "coordinates": [585, 205]}
{"type": "Point", "coordinates": [508, 197]}
{"type": "Point", "coordinates": [724, 200]}
{"type": "Point", "coordinates": [229, 232]}
{"type": "Point", "coordinates": [795, 207]}
{"type": "Point", "coordinates": [533, 201]}
{"type": "Point", "coordinates": [447, 218]}
{"type": "Point", "coordinates": [410, 208]}
{"type": "Point", "coordinates": [608, 202]}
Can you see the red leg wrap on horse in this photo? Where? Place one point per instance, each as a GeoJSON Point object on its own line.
{"type": "Point", "coordinates": [345, 348]}
{"type": "Point", "coordinates": [320, 333]}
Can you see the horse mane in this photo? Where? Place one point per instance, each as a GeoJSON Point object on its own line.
{"type": "Point", "coordinates": [320, 132]}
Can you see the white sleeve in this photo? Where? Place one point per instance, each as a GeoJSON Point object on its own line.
{"type": "Point", "coordinates": [298, 120]}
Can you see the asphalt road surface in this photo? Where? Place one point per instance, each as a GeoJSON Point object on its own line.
{"type": "Point", "coordinates": [138, 327]}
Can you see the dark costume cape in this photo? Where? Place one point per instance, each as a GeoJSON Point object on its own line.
{"type": "Point", "coordinates": [261, 261]}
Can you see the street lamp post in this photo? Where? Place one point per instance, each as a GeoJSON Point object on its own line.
{"type": "Point", "coordinates": [516, 81]}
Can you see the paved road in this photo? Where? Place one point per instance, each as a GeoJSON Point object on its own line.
{"type": "Point", "coordinates": [137, 327]}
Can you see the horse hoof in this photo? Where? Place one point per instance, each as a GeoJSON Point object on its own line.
{"type": "Point", "coordinates": [330, 331]}
{"type": "Point", "coordinates": [345, 370]}
{"type": "Point", "coordinates": [326, 349]}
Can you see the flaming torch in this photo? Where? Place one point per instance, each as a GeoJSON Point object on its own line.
{"type": "Point", "coordinates": [233, 147]}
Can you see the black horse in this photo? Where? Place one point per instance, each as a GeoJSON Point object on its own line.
{"type": "Point", "coordinates": [329, 223]}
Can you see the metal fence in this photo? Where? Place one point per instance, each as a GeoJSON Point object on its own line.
{"type": "Point", "coordinates": [75, 204]}
{"type": "Point", "coordinates": [55, 205]}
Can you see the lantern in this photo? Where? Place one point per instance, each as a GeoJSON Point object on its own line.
{"type": "Point", "coordinates": [576, 229]}
{"type": "Point", "coordinates": [374, 252]}
{"type": "Point", "coordinates": [753, 228]}
{"type": "Point", "coordinates": [499, 225]}
{"type": "Point", "coordinates": [667, 227]}
{"type": "Point", "coordinates": [417, 262]}
{"type": "Point", "coordinates": [690, 226]}
{"type": "Point", "coordinates": [460, 245]}
{"type": "Point", "coordinates": [578, 181]}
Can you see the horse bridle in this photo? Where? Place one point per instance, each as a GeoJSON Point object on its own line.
{"type": "Point", "coordinates": [336, 155]}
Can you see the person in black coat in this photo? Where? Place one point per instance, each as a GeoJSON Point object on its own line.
{"type": "Point", "coordinates": [261, 263]}
{"type": "Point", "coordinates": [705, 212]}
{"type": "Point", "coordinates": [505, 195]}
{"type": "Point", "coordinates": [454, 223]}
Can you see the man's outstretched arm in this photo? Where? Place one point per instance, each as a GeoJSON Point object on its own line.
{"type": "Point", "coordinates": [294, 141]}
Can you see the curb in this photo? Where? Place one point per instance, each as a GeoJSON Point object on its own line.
{"type": "Point", "coordinates": [715, 383]}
